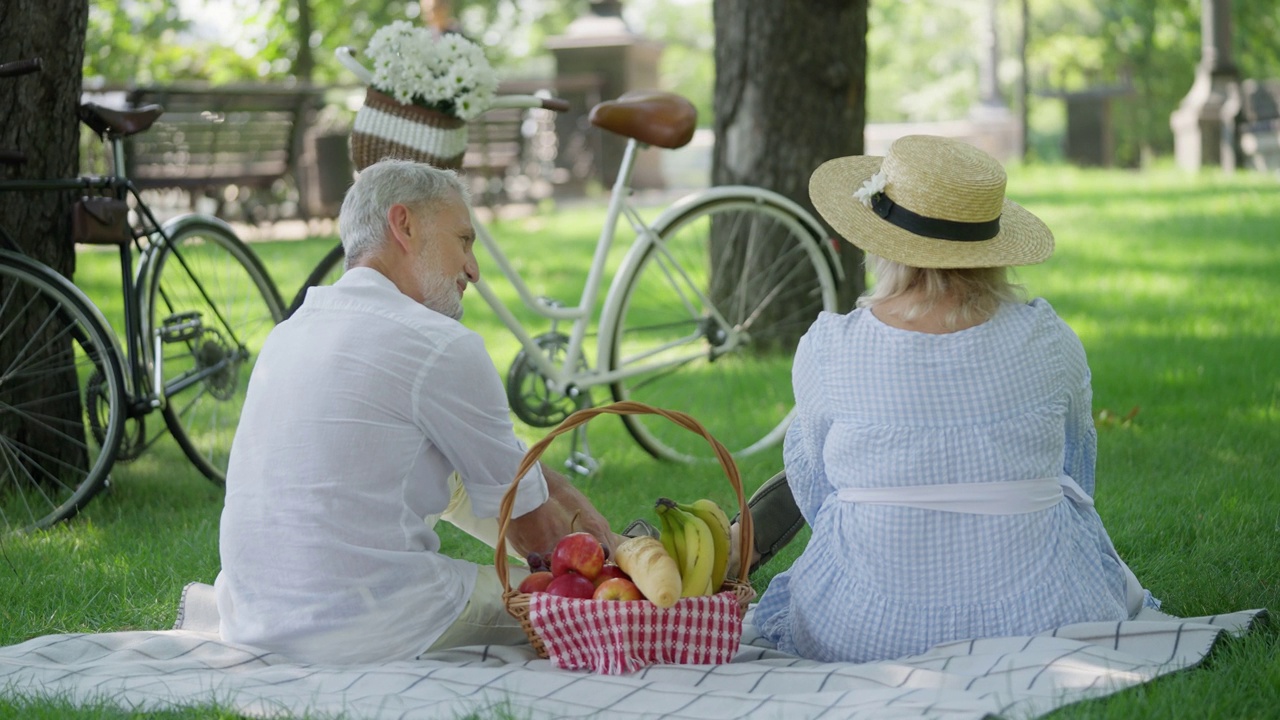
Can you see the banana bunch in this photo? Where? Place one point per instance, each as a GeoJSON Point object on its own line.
{"type": "Point", "coordinates": [697, 536]}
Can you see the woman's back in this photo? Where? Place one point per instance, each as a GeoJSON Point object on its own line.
{"type": "Point", "coordinates": [881, 407]}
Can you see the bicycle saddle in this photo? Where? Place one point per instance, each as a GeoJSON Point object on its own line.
{"type": "Point", "coordinates": [651, 116]}
{"type": "Point", "coordinates": [122, 123]}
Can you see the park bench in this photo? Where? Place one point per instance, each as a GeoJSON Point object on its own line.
{"type": "Point", "coordinates": [251, 136]}
{"type": "Point", "coordinates": [1259, 124]}
{"type": "Point", "coordinates": [213, 138]}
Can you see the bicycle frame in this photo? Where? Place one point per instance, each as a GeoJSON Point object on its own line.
{"type": "Point", "coordinates": [119, 188]}
{"type": "Point", "coordinates": [566, 377]}
{"type": "Point", "coordinates": [145, 394]}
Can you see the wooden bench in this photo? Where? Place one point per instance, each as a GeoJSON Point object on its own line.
{"type": "Point", "coordinates": [210, 138]}
{"type": "Point", "coordinates": [1258, 124]}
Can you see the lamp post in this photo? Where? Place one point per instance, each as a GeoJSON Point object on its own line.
{"type": "Point", "coordinates": [1198, 123]}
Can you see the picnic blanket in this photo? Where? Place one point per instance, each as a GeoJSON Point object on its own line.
{"type": "Point", "coordinates": [1010, 677]}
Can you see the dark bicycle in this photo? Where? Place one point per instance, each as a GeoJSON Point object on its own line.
{"type": "Point", "coordinates": [74, 395]}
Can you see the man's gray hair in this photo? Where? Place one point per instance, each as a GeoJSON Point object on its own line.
{"type": "Point", "coordinates": [362, 222]}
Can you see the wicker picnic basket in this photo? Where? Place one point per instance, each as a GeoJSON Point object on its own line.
{"type": "Point", "coordinates": [738, 590]}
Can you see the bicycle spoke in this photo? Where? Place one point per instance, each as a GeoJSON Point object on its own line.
{"type": "Point", "coordinates": [748, 297]}
{"type": "Point", "coordinates": [208, 273]}
{"type": "Point", "coordinates": [20, 489]}
{"type": "Point", "coordinates": [54, 455]}
{"type": "Point", "coordinates": [23, 450]}
{"type": "Point", "coordinates": [19, 356]}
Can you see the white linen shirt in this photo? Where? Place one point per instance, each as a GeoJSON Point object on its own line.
{"type": "Point", "coordinates": [359, 409]}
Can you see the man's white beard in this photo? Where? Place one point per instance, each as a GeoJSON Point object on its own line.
{"type": "Point", "coordinates": [439, 293]}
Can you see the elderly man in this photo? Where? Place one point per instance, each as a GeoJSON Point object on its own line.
{"type": "Point", "coordinates": [371, 413]}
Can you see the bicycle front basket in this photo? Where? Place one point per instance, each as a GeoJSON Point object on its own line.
{"type": "Point", "coordinates": [386, 128]}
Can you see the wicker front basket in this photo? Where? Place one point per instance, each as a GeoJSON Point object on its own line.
{"type": "Point", "coordinates": [385, 128]}
{"type": "Point", "coordinates": [518, 603]}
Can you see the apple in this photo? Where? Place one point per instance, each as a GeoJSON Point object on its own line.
{"type": "Point", "coordinates": [618, 589]}
{"type": "Point", "coordinates": [578, 552]}
{"type": "Point", "coordinates": [610, 571]}
{"type": "Point", "coordinates": [536, 582]}
{"type": "Point", "coordinates": [572, 585]}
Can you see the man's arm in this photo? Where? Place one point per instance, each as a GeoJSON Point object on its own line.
{"type": "Point", "coordinates": [566, 510]}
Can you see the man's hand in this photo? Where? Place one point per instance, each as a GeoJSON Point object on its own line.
{"type": "Point", "coordinates": [566, 510]}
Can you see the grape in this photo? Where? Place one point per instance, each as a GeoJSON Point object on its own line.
{"type": "Point", "coordinates": [536, 562]}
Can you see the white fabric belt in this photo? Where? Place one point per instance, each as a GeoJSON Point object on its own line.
{"type": "Point", "coordinates": [985, 498]}
{"type": "Point", "coordinates": [1014, 497]}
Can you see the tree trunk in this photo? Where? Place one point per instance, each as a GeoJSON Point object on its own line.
{"type": "Point", "coordinates": [38, 117]}
{"type": "Point", "coordinates": [790, 94]}
{"type": "Point", "coordinates": [305, 65]}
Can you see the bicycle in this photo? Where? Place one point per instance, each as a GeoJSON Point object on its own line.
{"type": "Point", "coordinates": [197, 306]}
{"type": "Point", "coordinates": [673, 313]}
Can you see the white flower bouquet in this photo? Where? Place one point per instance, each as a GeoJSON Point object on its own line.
{"type": "Point", "coordinates": [422, 90]}
{"type": "Point", "coordinates": [449, 73]}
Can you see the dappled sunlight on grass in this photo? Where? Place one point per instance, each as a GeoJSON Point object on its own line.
{"type": "Point", "coordinates": [1169, 280]}
{"type": "Point", "coordinates": [76, 536]}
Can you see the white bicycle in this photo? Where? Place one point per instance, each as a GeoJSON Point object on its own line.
{"type": "Point", "coordinates": [706, 305]}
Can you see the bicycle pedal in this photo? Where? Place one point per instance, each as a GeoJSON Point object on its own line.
{"type": "Point", "coordinates": [181, 327]}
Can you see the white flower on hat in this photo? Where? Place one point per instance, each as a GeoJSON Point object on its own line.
{"type": "Point", "coordinates": [872, 187]}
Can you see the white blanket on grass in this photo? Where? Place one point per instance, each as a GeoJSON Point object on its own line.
{"type": "Point", "coordinates": [1011, 677]}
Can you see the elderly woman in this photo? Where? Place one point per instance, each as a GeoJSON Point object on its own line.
{"type": "Point", "coordinates": [943, 447]}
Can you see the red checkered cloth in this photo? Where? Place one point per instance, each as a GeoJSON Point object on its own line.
{"type": "Point", "coordinates": [613, 637]}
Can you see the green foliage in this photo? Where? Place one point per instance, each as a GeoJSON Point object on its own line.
{"type": "Point", "coordinates": [1148, 48]}
{"type": "Point", "coordinates": [144, 41]}
{"type": "Point", "coordinates": [149, 41]}
{"type": "Point", "coordinates": [922, 61]}
{"type": "Point", "coordinates": [687, 64]}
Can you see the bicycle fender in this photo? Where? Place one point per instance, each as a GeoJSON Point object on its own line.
{"type": "Point", "coordinates": [175, 225]}
{"type": "Point", "coordinates": [613, 300]}
{"type": "Point", "coordinates": [736, 192]}
{"type": "Point", "coordinates": [172, 227]}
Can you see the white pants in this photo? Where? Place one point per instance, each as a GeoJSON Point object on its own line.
{"type": "Point", "coordinates": [485, 620]}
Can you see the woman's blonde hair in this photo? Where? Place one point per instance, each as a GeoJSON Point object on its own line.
{"type": "Point", "coordinates": [978, 292]}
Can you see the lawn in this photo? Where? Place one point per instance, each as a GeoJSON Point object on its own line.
{"type": "Point", "coordinates": [1169, 279]}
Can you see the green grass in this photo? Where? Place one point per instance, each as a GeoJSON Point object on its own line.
{"type": "Point", "coordinates": [1169, 279]}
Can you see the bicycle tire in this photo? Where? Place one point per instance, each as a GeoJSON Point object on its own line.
{"type": "Point", "coordinates": [53, 460]}
{"type": "Point", "coordinates": [744, 390]}
{"type": "Point", "coordinates": [202, 267]}
{"type": "Point", "coordinates": [326, 272]}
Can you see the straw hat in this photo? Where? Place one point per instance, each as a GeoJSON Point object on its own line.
{"type": "Point", "coordinates": [931, 202]}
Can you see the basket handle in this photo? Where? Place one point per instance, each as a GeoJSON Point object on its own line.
{"type": "Point", "coordinates": [626, 407]}
{"type": "Point", "coordinates": [347, 57]}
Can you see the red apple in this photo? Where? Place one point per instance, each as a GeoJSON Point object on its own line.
{"type": "Point", "coordinates": [618, 589]}
{"type": "Point", "coordinates": [536, 582]}
{"type": "Point", "coordinates": [610, 571]}
{"type": "Point", "coordinates": [578, 552]}
{"type": "Point", "coordinates": [572, 585]}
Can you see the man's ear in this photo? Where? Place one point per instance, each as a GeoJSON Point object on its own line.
{"type": "Point", "coordinates": [400, 219]}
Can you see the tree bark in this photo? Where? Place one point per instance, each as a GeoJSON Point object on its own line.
{"type": "Point", "coordinates": [306, 63]}
{"type": "Point", "coordinates": [790, 94]}
{"type": "Point", "coordinates": [38, 117]}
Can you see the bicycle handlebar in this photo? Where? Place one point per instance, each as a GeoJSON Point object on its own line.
{"type": "Point", "coordinates": [530, 101]}
{"type": "Point", "coordinates": [347, 57]}
{"type": "Point", "coordinates": [12, 157]}
{"type": "Point", "coordinates": [19, 67]}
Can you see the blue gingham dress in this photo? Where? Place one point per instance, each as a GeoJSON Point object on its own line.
{"type": "Point", "coordinates": [882, 407]}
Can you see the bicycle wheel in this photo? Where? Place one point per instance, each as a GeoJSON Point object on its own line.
{"type": "Point", "coordinates": [326, 272]}
{"type": "Point", "coordinates": [717, 324]}
{"type": "Point", "coordinates": [212, 304]}
{"type": "Point", "coordinates": [62, 397]}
